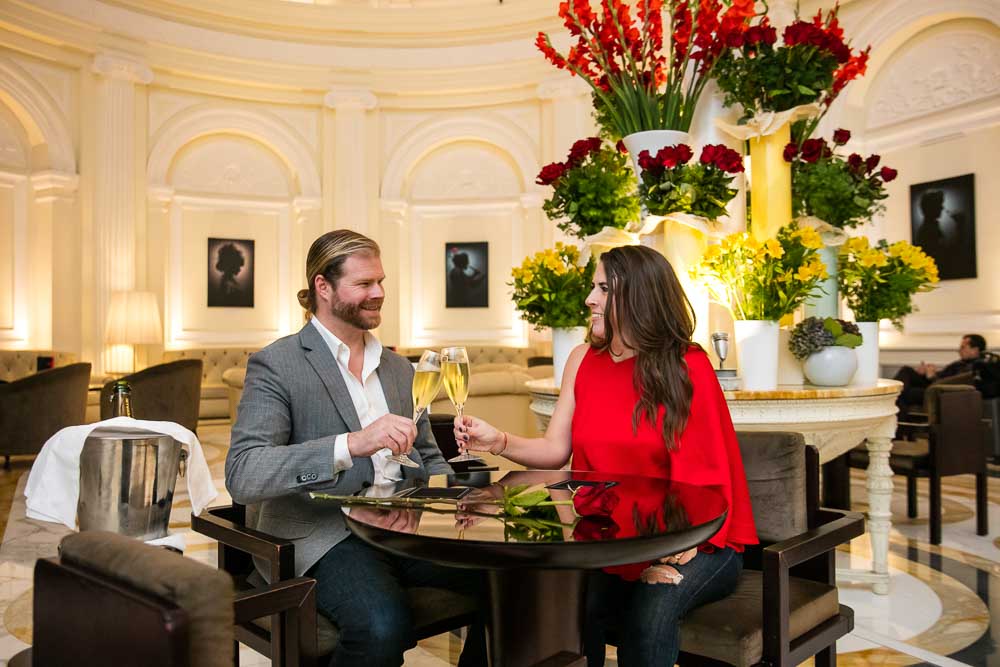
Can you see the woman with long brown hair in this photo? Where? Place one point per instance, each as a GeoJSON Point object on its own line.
{"type": "Point", "coordinates": [642, 399]}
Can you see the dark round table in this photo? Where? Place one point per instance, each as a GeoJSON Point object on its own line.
{"type": "Point", "coordinates": [537, 542]}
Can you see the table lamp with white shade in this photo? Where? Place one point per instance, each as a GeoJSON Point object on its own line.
{"type": "Point", "coordinates": [133, 319]}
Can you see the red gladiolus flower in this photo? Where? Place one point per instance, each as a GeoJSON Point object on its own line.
{"type": "Point", "coordinates": [791, 150]}
{"type": "Point", "coordinates": [841, 137]}
{"type": "Point", "coordinates": [551, 173]}
{"type": "Point", "coordinates": [888, 174]}
{"type": "Point", "coordinates": [871, 163]}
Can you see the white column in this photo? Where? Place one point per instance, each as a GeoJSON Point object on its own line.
{"type": "Point", "coordinates": [395, 243]}
{"type": "Point", "coordinates": [159, 199]}
{"type": "Point", "coordinates": [306, 226]}
{"type": "Point", "coordinates": [351, 159]}
{"type": "Point", "coordinates": [54, 249]}
{"type": "Point", "coordinates": [114, 188]}
{"type": "Point", "coordinates": [566, 115]}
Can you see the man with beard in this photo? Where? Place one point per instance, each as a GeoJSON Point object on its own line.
{"type": "Point", "coordinates": [324, 409]}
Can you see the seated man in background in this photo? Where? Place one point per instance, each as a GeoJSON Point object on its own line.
{"type": "Point", "coordinates": [916, 380]}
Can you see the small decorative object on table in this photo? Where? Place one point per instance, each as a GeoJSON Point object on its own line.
{"type": "Point", "coordinates": [826, 348]}
{"type": "Point", "coordinates": [727, 376]}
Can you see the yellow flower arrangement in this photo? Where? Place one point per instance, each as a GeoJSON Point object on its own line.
{"type": "Point", "coordinates": [550, 288]}
{"type": "Point", "coordinates": [878, 282]}
{"type": "Point", "coordinates": [763, 280]}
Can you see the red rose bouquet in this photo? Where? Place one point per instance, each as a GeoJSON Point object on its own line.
{"type": "Point", "coordinates": [593, 189]}
{"type": "Point", "coordinates": [844, 192]}
{"type": "Point", "coordinates": [668, 184]}
{"type": "Point", "coordinates": [812, 64]}
{"type": "Point", "coordinates": [642, 79]}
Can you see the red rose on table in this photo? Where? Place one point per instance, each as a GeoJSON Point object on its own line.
{"type": "Point", "coordinates": [595, 500]}
{"type": "Point", "coordinates": [595, 527]}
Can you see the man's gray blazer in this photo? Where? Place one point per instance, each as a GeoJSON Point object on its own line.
{"type": "Point", "coordinates": [295, 403]}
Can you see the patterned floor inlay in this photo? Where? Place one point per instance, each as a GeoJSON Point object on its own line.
{"type": "Point", "coordinates": [939, 611]}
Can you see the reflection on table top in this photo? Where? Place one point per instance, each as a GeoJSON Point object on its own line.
{"type": "Point", "coordinates": [541, 518]}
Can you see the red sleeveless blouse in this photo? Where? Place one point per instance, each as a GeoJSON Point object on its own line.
{"type": "Point", "coordinates": [707, 454]}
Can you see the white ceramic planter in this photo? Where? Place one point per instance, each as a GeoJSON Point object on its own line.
{"type": "Point", "coordinates": [867, 353]}
{"type": "Point", "coordinates": [563, 342]}
{"type": "Point", "coordinates": [652, 141]}
{"type": "Point", "coordinates": [757, 343]}
{"type": "Point", "coordinates": [832, 366]}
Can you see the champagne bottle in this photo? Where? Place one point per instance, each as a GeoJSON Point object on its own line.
{"type": "Point", "coordinates": [121, 399]}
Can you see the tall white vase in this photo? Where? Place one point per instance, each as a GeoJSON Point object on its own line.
{"type": "Point", "coordinates": [824, 301]}
{"type": "Point", "coordinates": [757, 343]}
{"type": "Point", "coordinates": [868, 369]}
{"type": "Point", "coordinates": [563, 342]}
{"type": "Point", "coordinates": [789, 368]}
{"type": "Point", "coordinates": [652, 141]}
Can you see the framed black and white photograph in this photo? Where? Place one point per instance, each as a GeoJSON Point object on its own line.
{"type": "Point", "coordinates": [943, 223]}
{"type": "Point", "coordinates": [230, 273]}
{"type": "Point", "coordinates": [466, 270]}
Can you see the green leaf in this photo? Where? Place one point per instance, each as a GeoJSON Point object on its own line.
{"type": "Point", "coordinates": [833, 326]}
{"type": "Point", "coordinates": [848, 340]}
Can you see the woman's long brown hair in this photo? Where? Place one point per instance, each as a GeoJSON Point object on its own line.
{"type": "Point", "coordinates": [653, 316]}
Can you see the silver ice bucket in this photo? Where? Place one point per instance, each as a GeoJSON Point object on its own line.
{"type": "Point", "coordinates": [127, 482]}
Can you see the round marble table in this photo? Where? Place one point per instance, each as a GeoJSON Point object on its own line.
{"type": "Point", "coordinates": [834, 419]}
{"type": "Point", "coordinates": [535, 557]}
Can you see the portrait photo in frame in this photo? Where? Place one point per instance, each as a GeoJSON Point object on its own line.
{"type": "Point", "coordinates": [230, 273]}
{"type": "Point", "coordinates": [943, 223]}
{"type": "Point", "coordinates": [466, 275]}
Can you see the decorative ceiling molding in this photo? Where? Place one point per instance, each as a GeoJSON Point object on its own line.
{"type": "Point", "coordinates": [935, 74]}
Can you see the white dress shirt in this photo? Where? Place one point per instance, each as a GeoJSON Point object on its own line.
{"type": "Point", "coordinates": [368, 398]}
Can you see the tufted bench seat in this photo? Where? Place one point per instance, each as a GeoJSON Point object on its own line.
{"type": "Point", "coordinates": [215, 362]}
{"type": "Point", "coordinates": [17, 364]}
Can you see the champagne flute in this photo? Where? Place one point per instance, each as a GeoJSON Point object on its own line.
{"type": "Point", "coordinates": [426, 384]}
{"type": "Point", "coordinates": [455, 372]}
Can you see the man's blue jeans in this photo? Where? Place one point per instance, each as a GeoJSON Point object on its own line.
{"type": "Point", "coordinates": [645, 618]}
{"type": "Point", "coordinates": [362, 590]}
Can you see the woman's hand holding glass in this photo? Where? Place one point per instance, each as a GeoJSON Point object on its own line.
{"type": "Point", "coordinates": [472, 433]}
{"type": "Point", "coordinates": [455, 374]}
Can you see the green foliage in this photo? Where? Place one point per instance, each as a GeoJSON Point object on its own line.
{"type": "Point", "coordinates": [597, 193]}
{"type": "Point", "coordinates": [698, 189]}
{"type": "Point", "coordinates": [774, 79]}
{"type": "Point", "coordinates": [813, 334]}
{"type": "Point", "coordinates": [832, 191]}
{"type": "Point", "coordinates": [550, 290]}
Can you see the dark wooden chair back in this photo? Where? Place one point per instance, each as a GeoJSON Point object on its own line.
{"type": "Point", "coordinates": [166, 392]}
{"type": "Point", "coordinates": [958, 442]}
{"type": "Point", "coordinates": [34, 408]}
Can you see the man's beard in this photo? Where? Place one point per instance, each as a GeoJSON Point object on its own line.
{"type": "Point", "coordinates": [353, 313]}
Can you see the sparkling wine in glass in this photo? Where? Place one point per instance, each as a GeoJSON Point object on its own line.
{"type": "Point", "coordinates": [455, 372]}
{"type": "Point", "coordinates": [426, 384]}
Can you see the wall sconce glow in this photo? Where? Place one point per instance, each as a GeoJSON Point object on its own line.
{"type": "Point", "coordinates": [133, 319]}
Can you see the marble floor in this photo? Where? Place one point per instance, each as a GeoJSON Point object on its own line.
{"type": "Point", "coordinates": [939, 610]}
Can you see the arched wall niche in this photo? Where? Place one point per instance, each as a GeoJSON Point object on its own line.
{"type": "Point", "coordinates": [219, 172]}
{"type": "Point", "coordinates": [454, 181]}
{"type": "Point", "coordinates": [39, 114]}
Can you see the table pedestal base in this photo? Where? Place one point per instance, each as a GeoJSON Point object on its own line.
{"type": "Point", "coordinates": [536, 618]}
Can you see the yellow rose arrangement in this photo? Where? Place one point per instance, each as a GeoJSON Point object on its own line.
{"type": "Point", "coordinates": [763, 280]}
{"type": "Point", "coordinates": [550, 288]}
{"type": "Point", "coordinates": [879, 281]}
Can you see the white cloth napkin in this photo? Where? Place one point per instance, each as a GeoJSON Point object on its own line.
{"type": "Point", "coordinates": [764, 123]}
{"type": "Point", "coordinates": [53, 487]}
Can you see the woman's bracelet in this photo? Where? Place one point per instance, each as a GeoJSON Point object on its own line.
{"type": "Point", "coordinates": [502, 449]}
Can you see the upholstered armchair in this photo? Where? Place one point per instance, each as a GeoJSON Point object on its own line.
{"type": "Point", "coordinates": [34, 408]}
{"type": "Point", "coordinates": [953, 441]}
{"type": "Point", "coordinates": [785, 607]}
{"type": "Point", "coordinates": [311, 636]}
{"type": "Point", "coordinates": [112, 600]}
{"type": "Point", "coordinates": [165, 392]}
